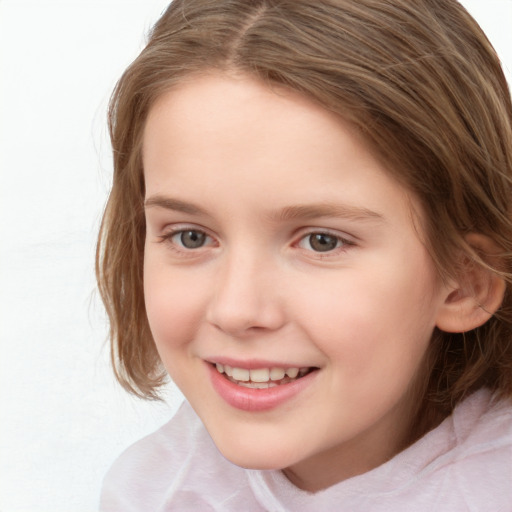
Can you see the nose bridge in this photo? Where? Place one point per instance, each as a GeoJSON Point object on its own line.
{"type": "Point", "coordinates": [246, 295]}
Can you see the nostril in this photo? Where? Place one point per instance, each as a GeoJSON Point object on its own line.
{"type": "Point", "coordinates": [245, 320]}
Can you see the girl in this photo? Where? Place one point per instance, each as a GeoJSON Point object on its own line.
{"type": "Point", "coordinates": [310, 231]}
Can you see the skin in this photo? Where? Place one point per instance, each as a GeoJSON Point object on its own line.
{"type": "Point", "coordinates": [226, 156]}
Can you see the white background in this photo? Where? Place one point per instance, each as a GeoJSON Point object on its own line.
{"type": "Point", "coordinates": [63, 419]}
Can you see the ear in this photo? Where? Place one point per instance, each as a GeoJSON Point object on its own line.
{"type": "Point", "coordinates": [478, 292]}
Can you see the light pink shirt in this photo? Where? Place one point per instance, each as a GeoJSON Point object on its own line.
{"type": "Point", "coordinates": [465, 464]}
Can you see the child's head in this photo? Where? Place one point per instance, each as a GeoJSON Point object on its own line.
{"type": "Point", "coordinates": [414, 97]}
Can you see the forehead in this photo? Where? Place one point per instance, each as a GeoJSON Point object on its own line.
{"type": "Point", "coordinates": [219, 102]}
{"type": "Point", "coordinates": [271, 143]}
{"type": "Point", "coordinates": [226, 111]}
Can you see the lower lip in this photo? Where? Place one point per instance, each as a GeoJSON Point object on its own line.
{"type": "Point", "coordinates": [249, 399]}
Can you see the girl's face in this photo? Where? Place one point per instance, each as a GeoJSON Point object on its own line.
{"type": "Point", "coordinates": [279, 250]}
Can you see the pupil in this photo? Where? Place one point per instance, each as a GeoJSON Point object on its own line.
{"type": "Point", "coordinates": [321, 242]}
{"type": "Point", "coordinates": [192, 239]}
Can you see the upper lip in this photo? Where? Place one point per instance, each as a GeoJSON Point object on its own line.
{"type": "Point", "coordinates": [253, 364]}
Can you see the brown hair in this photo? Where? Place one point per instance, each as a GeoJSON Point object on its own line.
{"type": "Point", "coordinates": [419, 79]}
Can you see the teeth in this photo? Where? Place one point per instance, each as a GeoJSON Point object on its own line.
{"type": "Point", "coordinates": [241, 374]}
{"type": "Point", "coordinates": [263, 376]}
{"type": "Point", "coordinates": [292, 372]}
{"type": "Point", "coordinates": [277, 374]}
{"type": "Point", "coordinates": [258, 385]}
{"type": "Point", "coordinates": [260, 375]}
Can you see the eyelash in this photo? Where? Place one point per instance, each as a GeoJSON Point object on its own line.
{"type": "Point", "coordinates": [168, 238]}
{"type": "Point", "coordinates": [342, 243]}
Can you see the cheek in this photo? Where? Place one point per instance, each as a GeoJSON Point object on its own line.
{"type": "Point", "coordinates": [173, 306]}
{"type": "Point", "coordinates": [373, 350]}
{"type": "Point", "coordinates": [372, 321]}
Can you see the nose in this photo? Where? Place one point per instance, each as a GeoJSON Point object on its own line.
{"type": "Point", "coordinates": [247, 298]}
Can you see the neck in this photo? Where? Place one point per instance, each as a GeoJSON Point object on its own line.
{"type": "Point", "coordinates": [402, 427]}
{"type": "Point", "coordinates": [353, 458]}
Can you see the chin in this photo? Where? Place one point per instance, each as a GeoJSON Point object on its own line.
{"type": "Point", "coordinates": [256, 456]}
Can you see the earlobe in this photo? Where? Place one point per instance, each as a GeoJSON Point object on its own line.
{"type": "Point", "coordinates": [477, 295]}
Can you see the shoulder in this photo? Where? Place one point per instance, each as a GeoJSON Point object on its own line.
{"type": "Point", "coordinates": [153, 458]}
{"type": "Point", "coordinates": [178, 458]}
{"type": "Point", "coordinates": [476, 470]}
{"type": "Point", "coordinates": [482, 429]}
{"type": "Point", "coordinates": [183, 434]}
{"type": "Point", "coordinates": [464, 464]}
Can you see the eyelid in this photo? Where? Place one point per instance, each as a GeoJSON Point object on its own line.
{"type": "Point", "coordinates": [169, 232]}
{"type": "Point", "coordinates": [345, 239]}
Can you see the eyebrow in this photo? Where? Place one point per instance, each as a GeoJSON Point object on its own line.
{"type": "Point", "coordinates": [314, 211]}
{"type": "Point", "coordinates": [176, 205]}
{"type": "Point", "coordinates": [288, 213]}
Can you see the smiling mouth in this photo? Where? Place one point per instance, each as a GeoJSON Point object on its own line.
{"type": "Point", "coordinates": [262, 378]}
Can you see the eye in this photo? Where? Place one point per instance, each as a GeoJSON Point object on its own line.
{"type": "Point", "coordinates": [189, 238]}
{"type": "Point", "coordinates": [321, 242]}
